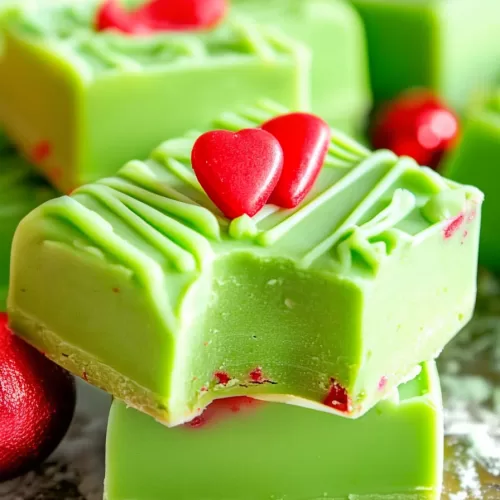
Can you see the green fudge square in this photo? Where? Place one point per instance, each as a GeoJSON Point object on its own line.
{"type": "Point", "coordinates": [330, 305]}
{"type": "Point", "coordinates": [335, 34]}
{"type": "Point", "coordinates": [273, 451]}
{"type": "Point", "coordinates": [20, 192]}
{"type": "Point", "coordinates": [474, 161]}
{"type": "Point", "coordinates": [452, 47]}
{"type": "Point", "coordinates": [81, 103]}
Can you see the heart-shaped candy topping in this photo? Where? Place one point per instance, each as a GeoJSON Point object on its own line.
{"type": "Point", "coordinates": [304, 139]}
{"type": "Point", "coordinates": [182, 14]}
{"type": "Point", "coordinates": [161, 15]}
{"type": "Point", "coordinates": [112, 16]}
{"type": "Point", "coordinates": [238, 171]}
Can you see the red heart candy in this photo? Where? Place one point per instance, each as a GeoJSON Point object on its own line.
{"type": "Point", "coordinates": [238, 171]}
{"type": "Point", "coordinates": [161, 15]}
{"type": "Point", "coordinates": [304, 139]}
{"type": "Point", "coordinates": [182, 14]}
{"type": "Point", "coordinates": [111, 16]}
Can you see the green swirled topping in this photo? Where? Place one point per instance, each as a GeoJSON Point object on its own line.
{"type": "Point", "coordinates": [69, 29]}
{"type": "Point", "coordinates": [444, 205]}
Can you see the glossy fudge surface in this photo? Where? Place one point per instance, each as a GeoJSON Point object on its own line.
{"type": "Point", "coordinates": [475, 161]}
{"type": "Point", "coordinates": [421, 43]}
{"type": "Point", "coordinates": [335, 34]}
{"type": "Point", "coordinates": [82, 103]}
{"type": "Point", "coordinates": [250, 450]}
{"type": "Point", "coordinates": [335, 301]}
{"type": "Point", "coordinates": [20, 192]}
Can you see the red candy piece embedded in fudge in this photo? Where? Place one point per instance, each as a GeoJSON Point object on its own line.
{"type": "Point", "coordinates": [337, 398]}
{"type": "Point", "coordinates": [223, 408]}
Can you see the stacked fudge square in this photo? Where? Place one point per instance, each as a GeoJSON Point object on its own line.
{"type": "Point", "coordinates": [285, 353]}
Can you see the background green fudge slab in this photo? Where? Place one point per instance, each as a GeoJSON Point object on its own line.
{"type": "Point", "coordinates": [372, 274]}
{"type": "Point", "coordinates": [452, 47]}
{"type": "Point", "coordinates": [277, 451]}
{"type": "Point", "coordinates": [475, 161]}
{"type": "Point", "coordinates": [20, 192]}
{"type": "Point", "coordinates": [334, 32]}
{"type": "Point", "coordinates": [82, 103]}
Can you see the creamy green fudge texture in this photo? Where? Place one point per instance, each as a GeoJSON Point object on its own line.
{"type": "Point", "coordinates": [275, 451]}
{"type": "Point", "coordinates": [140, 285]}
{"type": "Point", "coordinates": [475, 161]}
{"type": "Point", "coordinates": [421, 43]}
{"type": "Point", "coordinates": [20, 192]}
{"type": "Point", "coordinates": [81, 103]}
{"type": "Point", "coordinates": [335, 34]}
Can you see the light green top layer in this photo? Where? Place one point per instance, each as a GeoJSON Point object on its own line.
{"type": "Point", "coordinates": [67, 29]}
{"type": "Point", "coordinates": [346, 230]}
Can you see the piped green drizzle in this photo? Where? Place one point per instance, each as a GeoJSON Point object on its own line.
{"type": "Point", "coordinates": [376, 239]}
{"type": "Point", "coordinates": [363, 207]}
{"type": "Point", "coordinates": [68, 27]}
{"type": "Point", "coordinates": [444, 205]}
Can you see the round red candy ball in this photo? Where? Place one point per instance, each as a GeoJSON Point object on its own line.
{"type": "Point", "coordinates": [416, 124]}
{"type": "Point", "coordinates": [37, 402]}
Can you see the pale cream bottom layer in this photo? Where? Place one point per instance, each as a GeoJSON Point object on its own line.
{"type": "Point", "coordinates": [98, 374]}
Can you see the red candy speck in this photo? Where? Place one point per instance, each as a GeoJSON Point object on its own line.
{"type": "Point", "coordinates": [238, 171]}
{"type": "Point", "coordinates": [454, 226]}
{"type": "Point", "coordinates": [160, 15]}
{"type": "Point", "coordinates": [221, 408]}
{"type": "Point", "coordinates": [41, 151]}
{"type": "Point", "coordinates": [382, 383]}
{"type": "Point", "coordinates": [256, 375]}
{"type": "Point", "coordinates": [222, 377]}
{"type": "Point", "coordinates": [416, 124]}
{"type": "Point", "coordinates": [84, 376]}
{"type": "Point", "coordinates": [196, 422]}
{"type": "Point", "coordinates": [304, 139]}
{"type": "Point", "coordinates": [337, 398]}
